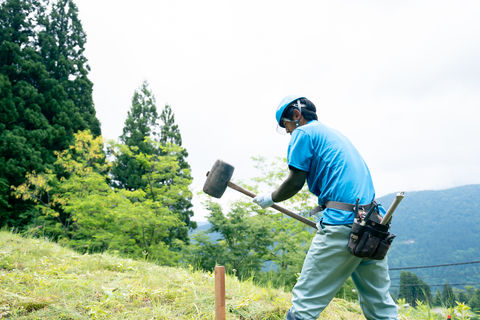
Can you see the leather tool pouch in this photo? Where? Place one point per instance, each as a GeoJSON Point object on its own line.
{"type": "Point", "coordinates": [368, 238]}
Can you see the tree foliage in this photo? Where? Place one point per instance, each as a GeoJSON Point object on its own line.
{"type": "Point", "coordinates": [147, 132]}
{"type": "Point", "coordinates": [62, 44]}
{"type": "Point", "coordinates": [414, 289]}
{"type": "Point", "coordinates": [44, 98]}
{"type": "Point", "coordinates": [437, 298]}
{"type": "Point", "coordinates": [81, 210]}
{"type": "Point", "coordinates": [245, 240]}
{"type": "Point", "coordinates": [141, 123]}
{"type": "Point", "coordinates": [474, 300]}
{"type": "Point", "coordinates": [170, 134]}
{"type": "Point", "coordinates": [448, 297]}
{"type": "Point", "coordinates": [62, 181]}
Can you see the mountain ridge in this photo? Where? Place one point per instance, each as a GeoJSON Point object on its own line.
{"type": "Point", "coordinates": [437, 227]}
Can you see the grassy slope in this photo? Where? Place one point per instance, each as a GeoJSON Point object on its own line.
{"type": "Point", "coordinates": [41, 280]}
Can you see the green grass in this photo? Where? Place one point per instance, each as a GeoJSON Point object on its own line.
{"type": "Point", "coordinates": [42, 280]}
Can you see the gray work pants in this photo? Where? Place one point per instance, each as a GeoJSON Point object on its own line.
{"type": "Point", "coordinates": [326, 267]}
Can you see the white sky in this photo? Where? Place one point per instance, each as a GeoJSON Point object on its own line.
{"type": "Point", "coordinates": [401, 79]}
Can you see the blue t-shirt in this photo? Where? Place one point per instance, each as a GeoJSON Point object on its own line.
{"type": "Point", "coordinates": [335, 169]}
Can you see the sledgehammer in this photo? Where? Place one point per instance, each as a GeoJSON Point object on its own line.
{"type": "Point", "coordinates": [218, 179]}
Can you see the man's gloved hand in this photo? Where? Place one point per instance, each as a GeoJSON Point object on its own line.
{"type": "Point", "coordinates": [264, 200]}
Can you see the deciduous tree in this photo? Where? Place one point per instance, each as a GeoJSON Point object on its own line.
{"type": "Point", "coordinates": [243, 246]}
{"type": "Point", "coordinates": [83, 211]}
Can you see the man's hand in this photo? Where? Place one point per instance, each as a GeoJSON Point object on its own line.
{"type": "Point", "coordinates": [264, 201]}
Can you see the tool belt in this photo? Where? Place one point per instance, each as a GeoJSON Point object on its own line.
{"type": "Point", "coordinates": [368, 238]}
{"type": "Point", "coordinates": [361, 208]}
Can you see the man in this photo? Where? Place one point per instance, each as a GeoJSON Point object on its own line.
{"type": "Point", "coordinates": [336, 173]}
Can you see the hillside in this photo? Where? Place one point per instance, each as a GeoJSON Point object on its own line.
{"type": "Point", "coordinates": [42, 280]}
{"type": "Point", "coordinates": [438, 227]}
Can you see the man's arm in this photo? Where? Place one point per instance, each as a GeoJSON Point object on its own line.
{"type": "Point", "coordinates": [291, 185]}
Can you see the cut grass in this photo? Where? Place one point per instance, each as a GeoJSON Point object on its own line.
{"type": "Point", "coordinates": [42, 280]}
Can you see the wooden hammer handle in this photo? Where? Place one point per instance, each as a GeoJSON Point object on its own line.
{"type": "Point", "coordinates": [281, 209]}
{"type": "Point", "coordinates": [388, 216]}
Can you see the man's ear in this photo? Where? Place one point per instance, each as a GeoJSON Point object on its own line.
{"type": "Point", "coordinates": [296, 114]}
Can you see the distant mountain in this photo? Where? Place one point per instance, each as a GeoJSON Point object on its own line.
{"type": "Point", "coordinates": [203, 226]}
{"type": "Point", "coordinates": [437, 227]}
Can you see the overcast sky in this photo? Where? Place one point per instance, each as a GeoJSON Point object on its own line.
{"type": "Point", "coordinates": [401, 79]}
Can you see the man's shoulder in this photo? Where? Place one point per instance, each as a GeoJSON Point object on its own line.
{"type": "Point", "coordinates": [312, 128]}
{"type": "Point", "coordinates": [309, 127]}
{"type": "Point", "coordinates": [315, 127]}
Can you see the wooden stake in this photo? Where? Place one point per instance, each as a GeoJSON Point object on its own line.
{"type": "Point", "coordinates": [219, 293]}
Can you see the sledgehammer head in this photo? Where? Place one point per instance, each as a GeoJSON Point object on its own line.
{"type": "Point", "coordinates": [217, 179]}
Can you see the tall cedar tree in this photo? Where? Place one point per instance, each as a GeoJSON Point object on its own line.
{"type": "Point", "coordinates": [39, 111]}
{"type": "Point", "coordinates": [143, 122]}
{"type": "Point", "coordinates": [414, 289]}
{"type": "Point", "coordinates": [448, 297]}
{"type": "Point", "coordinates": [62, 46]}
{"type": "Point", "coordinates": [169, 133]}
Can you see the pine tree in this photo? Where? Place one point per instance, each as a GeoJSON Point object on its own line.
{"type": "Point", "coordinates": [141, 123]}
{"type": "Point", "coordinates": [461, 296]}
{"type": "Point", "coordinates": [23, 128]}
{"type": "Point", "coordinates": [170, 133]}
{"type": "Point", "coordinates": [413, 289]}
{"type": "Point", "coordinates": [474, 301]}
{"type": "Point", "coordinates": [62, 44]}
{"type": "Point", "coordinates": [437, 298]}
{"type": "Point", "coordinates": [448, 297]}
{"type": "Point", "coordinates": [37, 113]}
{"type": "Point", "coordinates": [142, 126]}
